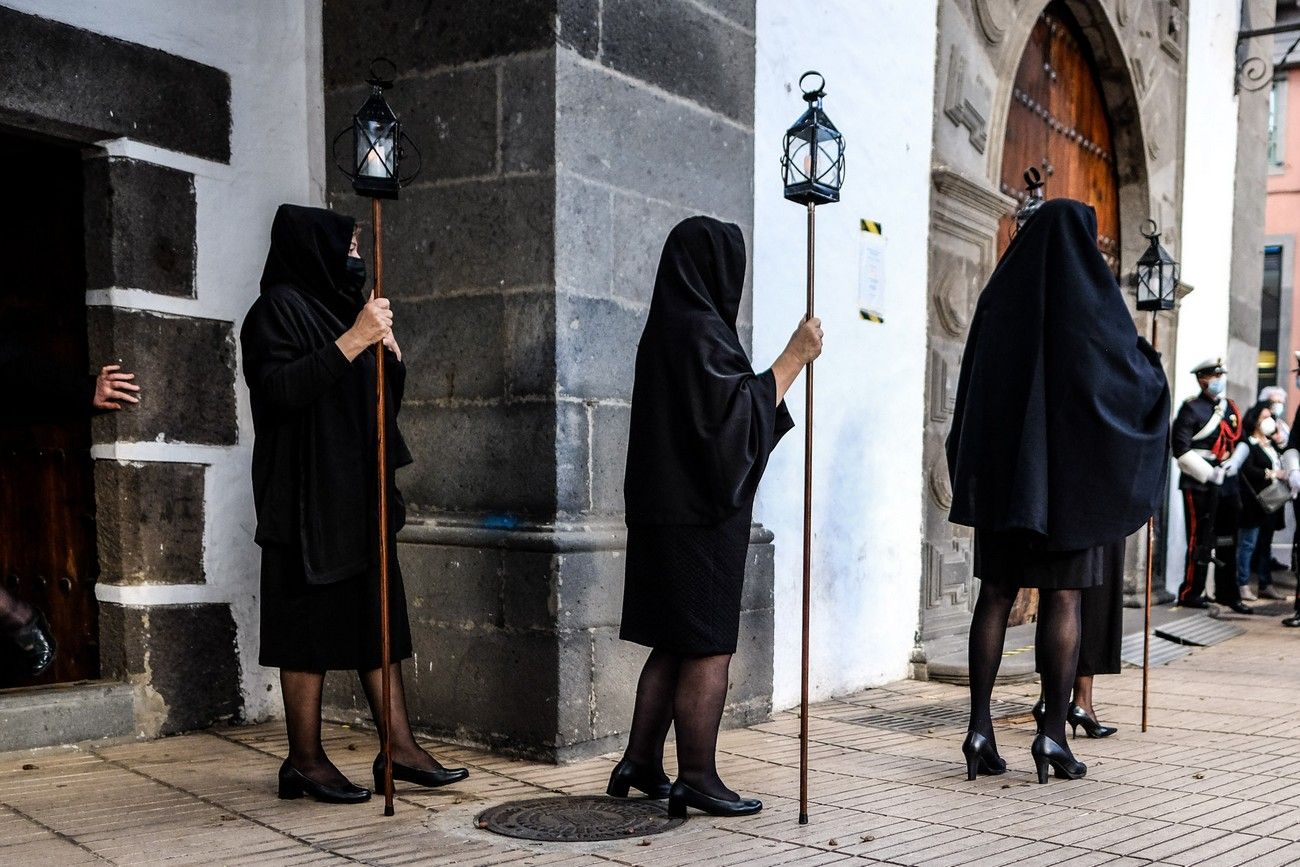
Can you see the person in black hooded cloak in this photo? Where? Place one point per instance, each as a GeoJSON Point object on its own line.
{"type": "Point", "coordinates": [703, 425]}
{"type": "Point", "coordinates": [1058, 451]}
{"type": "Point", "coordinates": [311, 378]}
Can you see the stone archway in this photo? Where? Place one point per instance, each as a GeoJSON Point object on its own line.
{"type": "Point", "coordinates": [1138, 74]}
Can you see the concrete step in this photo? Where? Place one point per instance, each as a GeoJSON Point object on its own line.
{"type": "Point", "coordinates": [46, 716]}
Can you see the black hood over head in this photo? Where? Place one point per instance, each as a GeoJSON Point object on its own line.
{"type": "Point", "coordinates": [1061, 425]}
{"type": "Point", "coordinates": [703, 422]}
{"type": "Point", "coordinates": [309, 251]}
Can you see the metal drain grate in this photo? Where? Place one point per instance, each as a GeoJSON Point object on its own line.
{"type": "Point", "coordinates": [919, 719]}
{"type": "Point", "coordinates": [1200, 630]}
{"type": "Point", "coordinates": [1163, 651]}
{"type": "Point", "coordinates": [578, 819]}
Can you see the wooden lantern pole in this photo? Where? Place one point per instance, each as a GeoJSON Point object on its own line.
{"type": "Point", "coordinates": [1151, 542]}
{"type": "Point", "coordinates": [807, 537]}
{"type": "Point", "coordinates": [381, 426]}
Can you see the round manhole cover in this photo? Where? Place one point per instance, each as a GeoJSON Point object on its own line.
{"type": "Point", "coordinates": [579, 819]}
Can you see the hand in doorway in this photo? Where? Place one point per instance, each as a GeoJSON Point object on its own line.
{"type": "Point", "coordinates": [112, 386]}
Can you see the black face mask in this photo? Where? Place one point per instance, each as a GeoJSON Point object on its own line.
{"type": "Point", "coordinates": [356, 274]}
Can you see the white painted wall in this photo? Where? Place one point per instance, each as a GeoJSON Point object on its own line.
{"type": "Point", "coordinates": [1206, 250]}
{"type": "Point", "coordinates": [879, 60]}
{"type": "Point", "coordinates": [271, 49]}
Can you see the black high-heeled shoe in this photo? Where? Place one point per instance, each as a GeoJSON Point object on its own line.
{"type": "Point", "coordinates": [295, 784]}
{"type": "Point", "coordinates": [630, 775]}
{"type": "Point", "coordinates": [681, 796]}
{"type": "Point", "coordinates": [1040, 714]}
{"type": "Point", "coordinates": [429, 779]}
{"type": "Point", "coordinates": [981, 757]}
{"type": "Point", "coordinates": [36, 644]}
{"type": "Point", "coordinates": [1077, 716]}
{"type": "Point", "coordinates": [1048, 753]}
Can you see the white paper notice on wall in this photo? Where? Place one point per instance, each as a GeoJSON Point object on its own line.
{"type": "Point", "coordinates": [871, 271]}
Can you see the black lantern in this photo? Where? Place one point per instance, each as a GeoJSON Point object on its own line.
{"type": "Point", "coordinates": [378, 142]}
{"type": "Point", "coordinates": [812, 165]}
{"type": "Point", "coordinates": [1157, 273]}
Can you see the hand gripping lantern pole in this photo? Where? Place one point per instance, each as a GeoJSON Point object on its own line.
{"type": "Point", "coordinates": [378, 146]}
{"type": "Point", "coordinates": [812, 169]}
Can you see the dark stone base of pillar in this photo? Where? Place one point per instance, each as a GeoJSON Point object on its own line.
{"type": "Point", "coordinates": [516, 639]}
{"type": "Point", "coordinates": [183, 660]}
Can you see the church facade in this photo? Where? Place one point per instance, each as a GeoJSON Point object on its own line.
{"type": "Point", "coordinates": [560, 143]}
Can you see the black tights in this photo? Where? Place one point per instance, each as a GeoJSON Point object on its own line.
{"type": "Point", "coordinates": [1056, 645]}
{"type": "Point", "coordinates": [688, 693]}
{"type": "Point", "coordinates": [302, 706]}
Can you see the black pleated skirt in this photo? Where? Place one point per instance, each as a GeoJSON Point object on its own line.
{"type": "Point", "coordinates": [1012, 559]}
{"type": "Point", "coordinates": [328, 627]}
{"type": "Point", "coordinates": [682, 585]}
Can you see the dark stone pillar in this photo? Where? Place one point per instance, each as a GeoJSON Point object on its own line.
{"type": "Point", "coordinates": [562, 141]}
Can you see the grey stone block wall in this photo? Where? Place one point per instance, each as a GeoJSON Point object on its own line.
{"type": "Point", "coordinates": [140, 227]}
{"type": "Point", "coordinates": [562, 140]}
{"type": "Point", "coordinates": [74, 84]}
{"type": "Point", "coordinates": [149, 520]}
{"type": "Point", "coordinates": [186, 367]}
{"type": "Point", "coordinates": [182, 657]}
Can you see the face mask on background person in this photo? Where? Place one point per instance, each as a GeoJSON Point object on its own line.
{"type": "Point", "coordinates": [1267, 427]}
{"type": "Point", "coordinates": [1217, 385]}
{"type": "Point", "coordinates": [1278, 409]}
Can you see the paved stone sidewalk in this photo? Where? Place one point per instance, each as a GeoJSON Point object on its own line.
{"type": "Point", "coordinates": [1216, 781]}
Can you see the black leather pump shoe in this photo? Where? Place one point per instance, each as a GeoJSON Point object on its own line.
{"type": "Point", "coordinates": [681, 796]}
{"type": "Point", "coordinates": [1077, 716]}
{"type": "Point", "coordinates": [629, 775]}
{"type": "Point", "coordinates": [981, 757]}
{"type": "Point", "coordinates": [1040, 714]}
{"type": "Point", "coordinates": [1048, 753]}
{"type": "Point", "coordinates": [35, 644]}
{"type": "Point", "coordinates": [294, 784]}
{"type": "Point", "coordinates": [428, 779]}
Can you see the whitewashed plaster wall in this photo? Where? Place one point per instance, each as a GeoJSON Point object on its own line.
{"type": "Point", "coordinates": [1206, 252]}
{"type": "Point", "coordinates": [271, 50]}
{"type": "Point", "coordinates": [878, 59]}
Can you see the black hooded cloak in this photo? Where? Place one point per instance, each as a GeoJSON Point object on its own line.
{"type": "Point", "coordinates": [1061, 426]}
{"type": "Point", "coordinates": [314, 411]}
{"type": "Point", "coordinates": [703, 425]}
{"type": "Point", "coordinates": [703, 422]}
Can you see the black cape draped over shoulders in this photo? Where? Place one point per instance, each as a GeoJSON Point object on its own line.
{"type": "Point", "coordinates": [703, 422]}
{"type": "Point", "coordinates": [1061, 426]}
{"type": "Point", "coordinates": [314, 415]}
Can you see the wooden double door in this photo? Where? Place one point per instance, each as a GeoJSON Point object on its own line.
{"type": "Point", "coordinates": [47, 528]}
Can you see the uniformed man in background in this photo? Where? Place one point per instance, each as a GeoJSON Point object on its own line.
{"type": "Point", "coordinates": [1204, 433]}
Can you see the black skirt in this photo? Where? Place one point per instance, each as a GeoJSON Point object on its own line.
{"type": "Point", "coordinates": [682, 585]}
{"type": "Point", "coordinates": [328, 627]}
{"type": "Point", "coordinates": [1013, 559]}
{"type": "Point", "coordinates": [1103, 617]}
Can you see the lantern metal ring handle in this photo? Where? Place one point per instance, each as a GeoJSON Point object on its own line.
{"type": "Point", "coordinates": [384, 81]}
{"type": "Point", "coordinates": [817, 92]}
{"type": "Point", "coordinates": [1152, 233]}
{"type": "Point", "coordinates": [1033, 178]}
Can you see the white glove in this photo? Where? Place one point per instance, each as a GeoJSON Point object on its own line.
{"type": "Point", "coordinates": [1239, 455]}
{"type": "Point", "coordinates": [1218, 475]}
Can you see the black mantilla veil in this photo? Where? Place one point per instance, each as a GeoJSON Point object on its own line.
{"type": "Point", "coordinates": [1061, 424]}
{"type": "Point", "coordinates": [314, 413]}
{"type": "Point", "coordinates": [703, 422]}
